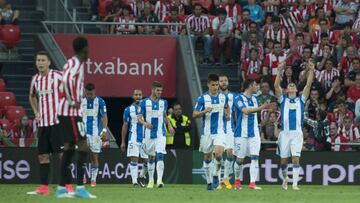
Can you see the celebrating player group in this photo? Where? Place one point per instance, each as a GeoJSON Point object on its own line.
{"type": "Point", "coordinates": [230, 123]}
{"type": "Point", "coordinates": [73, 120]}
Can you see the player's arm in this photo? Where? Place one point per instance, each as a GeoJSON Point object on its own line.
{"type": "Point", "coordinates": [249, 110]}
{"type": "Point", "coordinates": [33, 100]}
{"type": "Point", "coordinates": [199, 109]}
{"type": "Point", "coordinates": [124, 130]}
{"type": "Point", "coordinates": [143, 122]}
{"type": "Point", "coordinates": [310, 78]}
{"type": "Point", "coordinates": [277, 86]}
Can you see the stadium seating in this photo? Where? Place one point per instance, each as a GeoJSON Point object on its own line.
{"type": "Point", "coordinates": [10, 35]}
{"type": "Point", "coordinates": [7, 99]}
{"type": "Point", "coordinates": [14, 113]}
{"type": "Point", "coordinates": [2, 85]}
{"type": "Point", "coordinates": [102, 7]}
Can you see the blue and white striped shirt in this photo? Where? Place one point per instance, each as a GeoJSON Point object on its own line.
{"type": "Point", "coordinates": [154, 112]}
{"type": "Point", "coordinates": [246, 124]}
{"type": "Point", "coordinates": [213, 122]}
{"type": "Point", "coordinates": [93, 112]}
{"type": "Point", "coordinates": [135, 130]}
{"type": "Point", "coordinates": [230, 125]}
{"type": "Point", "coordinates": [292, 113]}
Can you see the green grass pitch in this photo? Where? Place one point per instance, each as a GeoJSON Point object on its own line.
{"type": "Point", "coordinates": [191, 193]}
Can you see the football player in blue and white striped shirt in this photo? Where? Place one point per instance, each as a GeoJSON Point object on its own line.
{"type": "Point", "coordinates": [230, 127]}
{"type": "Point", "coordinates": [95, 119]}
{"type": "Point", "coordinates": [134, 130]}
{"type": "Point", "coordinates": [153, 117]}
{"type": "Point", "coordinates": [290, 140]}
{"type": "Point", "coordinates": [247, 135]}
{"type": "Point", "coordinates": [212, 107]}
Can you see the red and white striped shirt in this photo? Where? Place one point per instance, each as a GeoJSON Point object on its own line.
{"type": "Point", "coordinates": [251, 67]}
{"type": "Point", "coordinates": [233, 11]}
{"type": "Point", "coordinates": [271, 8]}
{"type": "Point", "coordinates": [47, 89]}
{"type": "Point", "coordinates": [327, 76]}
{"type": "Point", "coordinates": [173, 29]}
{"type": "Point", "coordinates": [198, 24]}
{"type": "Point", "coordinates": [124, 19]}
{"type": "Point", "coordinates": [137, 8]}
{"type": "Point", "coordinates": [272, 61]}
{"type": "Point", "coordinates": [279, 36]}
{"type": "Point", "coordinates": [245, 50]}
{"type": "Point", "coordinates": [356, 24]}
{"type": "Point", "coordinates": [243, 26]}
{"type": "Point", "coordinates": [162, 9]}
{"type": "Point", "coordinates": [290, 23]}
{"type": "Point", "coordinates": [72, 87]}
{"type": "Point", "coordinates": [317, 37]}
{"type": "Point", "coordinates": [335, 141]}
{"type": "Point", "coordinates": [352, 134]}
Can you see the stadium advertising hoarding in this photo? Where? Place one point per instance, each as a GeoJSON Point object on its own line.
{"type": "Point", "coordinates": [119, 64]}
{"type": "Point", "coordinates": [20, 165]}
{"type": "Point", "coordinates": [320, 168]}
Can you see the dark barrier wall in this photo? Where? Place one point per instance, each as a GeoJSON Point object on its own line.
{"type": "Point", "coordinates": [20, 165]}
{"type": "Point", "coordinates": [320, 168]}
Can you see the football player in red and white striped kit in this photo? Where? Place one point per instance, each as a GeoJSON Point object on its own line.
{"type": "Point", "coordinates": [44, 99]}
{"type": "Point", "coordinates": [72, 127]}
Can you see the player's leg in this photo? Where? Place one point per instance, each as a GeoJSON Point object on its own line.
{"type": "Point", "coordinates": [283, 150]}
{"type": "Point", "coordinates": [240, 151]}
{"type": "Point", "coordinates": [295, 147]}
{"type": "Point", "coordinates": [160, 149]}
{"type": "Point", "coordinates": [44, 160]}
{"type": "Point", "coordinates": [94, 167]}
{"type": "Point", "coordinates": [206, 146]}
{"type": "Point", "coordinates": [141, 180]}
{"type": "Point", "coordinates": [149, 147]}
{"type": "Point", "coordinates": [133, 151]}
{"type": "Point", "coordinates": [254, 144]}
{"type": "Point", "coordinates": [229, 161]}
{"type": "Point", "coordinates": [219, 143]}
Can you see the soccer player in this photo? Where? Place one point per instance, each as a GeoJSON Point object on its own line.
{"type": "Point", "coordinates": [247, 135]}
{"type": "Point", "coordinates": [153, 117]}
{"type": "Point", "coordinates": [290, 139]}
{"type": "Point", "coordinates": [96, 120]}
{"type": "Point", "coordinates": [229, 136]}
{"type": "Point", "coordinates": [134, 129]}
{"type": "Point", "coordinates": [71, 124]}
{"type": "Point", "coordinates": [212, 107]}
{"type": "Point", "coordinates": [43, 97]}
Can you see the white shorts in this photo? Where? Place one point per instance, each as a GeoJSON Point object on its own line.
{"type": "Point", "coordinates": [208, 142]}
{"type": "Point", "coordinates": [136, 150]}
{"type": "Point", "coordinates": [246, 146]}
{"type": "Point", "coordinates": [290, 144]}
{"type": "Point", "coordinates": [155, 145]}
{"type": "Point", "coordinates": [95, 143]}
{"type": "Point", "coordinates": [229, 140]}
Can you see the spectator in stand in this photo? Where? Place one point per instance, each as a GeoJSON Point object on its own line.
{"type": "Point", "coordinates": [199, 29]}
{"type": "Point", "coordinates": [290, 19]}
{"type": "Point", "coordinates": [276, 32]}
{"type": "Point", "coordinates": [314, 23]}
{"type": "Point", "coordinates": [137, 7]}
{"type": "Point", "coordinates": [340, 113]}
{"type": "Point", "coordinates": [273, 59]}
{"type": "Point", "coordinates": [326, 54]}
{"type": "Point", "coordinates": [222, 27]}
{"type": "Point", "coordinates": [349, 131]}
{"type": "Point", "coordinates": [148, 17]}
{"type": "Point", "coordinates": [334, 140]}
{"type": "Point", "coordinates": [324, 5]}
{"type": "Point", "coordinates": [256, 12]}
{"type": "Point", "coordinates": [354, 70]}
{"type": "Point", "coordinates": [297, 47]}
{"type": "Point", "coordinates": [336, 92]}
{"type": "Point", "coordinates": [345, 13]}
{"type": "Point", "coordinates": [271, 7]}
{"type": "Point", "coordinates": [342, 45]}
{"type": "Point", "coordinates": [269, 46]}
{"type": "Point", "coordinates": [174, 18]}
{"type": "Point", "coordinates": [305, 57]}
{"type": "Point", "coordinates": [253, 29]}
{"type": "Point", "coordinates": [357, 112]}
{"type": "Point", "coordinates": [162, 9]}
{"type": "Point", "coordinates": [353, 93]}
{"type": "Point", "coordinates": [324, 27]}
{"type": "Point", "coordinates": [233, 10]}
{"type": "Point", "coordinates": [112, 10]}
{"type": "Point", "coordinates": [356, 25]}
{"type": "Point", "coordinates": [7, 14]}
{"type": "Point", "coordinates": [312, 105]}
{"type": "Point", "coordinates": [348, 32]}
{"type": "Point", "coordinates": [251, 67]}
{"type": "Point", "coordinates": [22, 129]}
{"type": "Point", "coordinates": [319, 127]}
{"type": "Point", "coordinates": [215, 6]}
{"type": "Point", "coordinates": [266, 94]}
{"type": "Point", "coordinates": [126, 17]}
{"type": "Point", "coordinates": [94, 4]}
{"type": "Point", "coordinates": [288, 77]}
{"type": "Point", "coordinates": [318, 48]}
{"type": "Point", "coordinates": [309, 141]}
{"type": "Point", "coordinates": [345, 62]}
{"type": "Point", "coordinates": [242, 27]}
{"type": "Point", "coordinates": [181, 7]}
{"type": "Point", "coordinates": [248, 45]}
{"type": "Point", "coordinates": [270, 127]}
{"type": "Point", "coordinates": [328, 74]}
